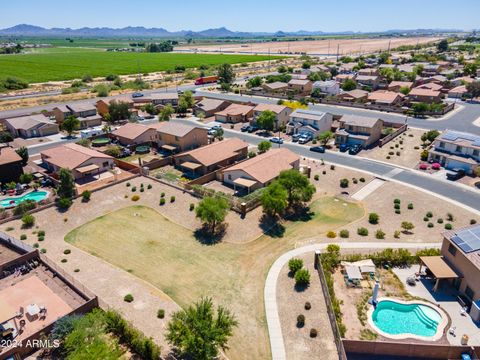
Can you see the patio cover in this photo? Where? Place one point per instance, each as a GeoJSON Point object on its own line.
{"type": "Point", "coordinates": [353, 272]}
{"type": "Point", "coordinates": [6, 311]}
{"type": "Point", "coordinates": [190, 165]}
{"type": "Point", "coordinates": [87, 168]}
{"type": "Point", "coordinates": [366, 266]}
{"type": "Point", "coordinates": [438, 266]}
{"type": "Point", "coordinates": [244, 182]}
{"type": "Point", "coordinates": [169, 147]}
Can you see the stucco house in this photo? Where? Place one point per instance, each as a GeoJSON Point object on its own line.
{"type": "Point", "coordinates": [135, 134]}
{"type": "Point", "coordinates": [361, 130]}
{"type": "Point", "coordinates": [176, 137]}
{"type": "Point", "coordinates": [309, 121]}
{"type": "Point", "coordinates": [31, 126]}
{"type": "Point", "coordinates": [281, 113]}
{"type": "Point", "coordinates": [10, 165]}
{"type": "Point", "coordinates": [235, 113]}
{"type": "Point", "coordinates": [302, 87]}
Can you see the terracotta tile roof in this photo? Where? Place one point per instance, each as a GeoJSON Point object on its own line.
{"type": "Point", "coordinates": [131, 131]}
{"type": "Point", "coordinates": [216, 152]}
{"type": "Point", "coordinates": [430, 86]}
{"type": "Point", "coordinates": [175, 129]}
{"type": "Point", "coordinates": [276, 85]}
{"type": "Point", "coordinates": [357, 93]}
{"type": "Point", "coordinates": [299, 82]}
{"type": "Point", "coordinates": [277, 109]}
{"type": "Point", "coordinates": [408, 84]}
{"type": "Point", "coordinates": [71, 155]}
{"type": "Point", "coordinates": [79, 107]}
{"type": "Point", "coordinates": [28, 122]}
{"type": "Point", "coordinates": [267, 166]}
{"type": "Point", "coordinates": [458, 90]}
{"type": "Point", "coordinates": [235, 109]}
{"type": "Point", "coordinates": [8, 156]}
{"type": "Point", "coordinates": [207, 104]}
{"type": "Point", "coordinates": [362, 121]}
{"type": "Point", "coordinates": [423, 92]}
{"type": "Point", "coordinates": [384, 96]}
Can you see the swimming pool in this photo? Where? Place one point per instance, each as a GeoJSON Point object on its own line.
{"type": "Point", "coordinates": [396, 319]}
{"type": "Point", "coordinates": [14, 201]}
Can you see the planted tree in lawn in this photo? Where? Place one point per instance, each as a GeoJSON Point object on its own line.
{"type": "Point", "coordinates": [274, 199]}
{"type": "Point", "coordinates": [266, 120]}
{"type": "Point", "coordinates": [23, 153]}
{"type": "Point", "coordinates": [407, 226]}
{"type": "Point", "coordinates": [212, 211]}
{"type": "Point", "coordinates": [199, 332]}
{"type": "Point", "coordinates": [70, 125]}
{"type": "Point", "coordinates": [298, 187]}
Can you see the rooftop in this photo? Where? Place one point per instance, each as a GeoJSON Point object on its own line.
{"type": "Point", "coordinates": [299, 82]}
{"type": "Point", "coordinates": [467, 239]}
{"type": "Point", "coordinates": [8, 156]}
{"type": "Point", "coordinates": [384, 96]}
{"type": "Point", "coordinates": [208, 104]}
{"type": "Point", "coordinates": [80, 107]}
{"type": "Point", "coordinates": [28, 122]}
{"type": "Point", "coordinates": [460, 138]}
{"type": "Point", "coordinates": [71, 155]}
{"type": "Point", "coordinates": [236, 109]}
{"type": "Point", "coordinates": [131, 130]}
{"type": "Point", "coordinates": [355, 120]}
{"type": "Point", "coordinates": [308, 114]}
{"type": "Point", "coordinates": [424, 92]}
{"type": "Point", "coordinates": [276, 85]}
{"type": "Point", "coordinates": [216, 152]}
{"type": "Point", "coordinates": [175, 129]}
{"type": "Point", "coordinates": [277, 109]}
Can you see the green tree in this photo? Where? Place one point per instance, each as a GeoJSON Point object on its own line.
{"type": "Point", "coordinates": [325, 137]}
{"type": "Point", "coordinates": [298, 187]}
{"type": "Point", "coordinates": [225, 74]}
{"type": "Point", "coordinates": [118, 110]}
{"type": "Point", "coordinates": [150, 109]}
{"type": "Point", "coordinates": [407, 226]}
{"type": "Point", "coordinates": [419, 108]}
{"type": "Point", "coordinates": [470, 69]}
{"type": "Point", "coordinates": [66, 184]}
{"type": "Point", "coordinates": [187, 97]}
{"type": "Point", "coordinates": [70, 125]}
{"type": "Point", "coordinates": [442, 45]}
{"type": "Point", "coordinates": [166, 112]}
{"type": "Point", "coordinates": [302, 277]}
{"type": "Point", "coordinates": [198, 333]}
{"type": "Point", "coordinates": [295, 264]}
{"type": "Point", "coordinates": [474, 89]}
{"type": "Point", "coordinates": [430, 136]}
{"type": "Point", "coordinates": [5, 137]}
{"type": "Point", "coordinates": [264, 146]}
{"type": "Point", "coordinates": [405, 90]}
{"type": "Point", "coordinates": [254, 82]}
{"type": "Point", "coordinates": [212, 211]}
{"type": "Point", "coordinates": [266, 120]}
{"type": "Point", "coordinates": [182, 106]}
{"type": "Point", "coordinates": [23, 153]}
{"type": "Point", "coordinates": [349, 85]}
{"type": "Point", "coordinates": [274, 199]}
{"type": "Point", "coordinates": [373, 218]}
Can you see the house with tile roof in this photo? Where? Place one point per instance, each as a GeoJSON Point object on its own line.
{"type": "Point", "coordinates": [358, 130]}
{"type": "Point", "coordinates": [10, 165]}
{"type": "Point", "coordinates": [30, 126]}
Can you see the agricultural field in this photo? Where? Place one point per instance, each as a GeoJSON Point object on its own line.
{"type": "Point", "coordinates": [55, 65]}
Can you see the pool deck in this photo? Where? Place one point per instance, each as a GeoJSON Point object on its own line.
{"type": "Point", "coordinates": [447, 301]}
{"type": "Point", "coordinates": [5, 197]}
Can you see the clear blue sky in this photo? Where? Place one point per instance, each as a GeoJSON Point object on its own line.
{"type": "Point", "coordinates": [245, 15]}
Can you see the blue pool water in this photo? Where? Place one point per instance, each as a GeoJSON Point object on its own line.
{"type": "Point", "coordinates": [395, 318]}
{"type": "Point", "coordinates": [34, 195]}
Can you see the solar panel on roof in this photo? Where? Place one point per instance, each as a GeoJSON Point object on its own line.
{"type": "Point", "coordinates": [454, 135]}
{"type": "Point", "coordinates": [468, 240]}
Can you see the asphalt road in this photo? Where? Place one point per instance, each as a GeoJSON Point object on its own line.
{"type": "Point", "coordinates": [460, 119]}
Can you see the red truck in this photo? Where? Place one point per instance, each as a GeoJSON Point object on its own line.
{"type": "Point", "coordinates": [206, 80]}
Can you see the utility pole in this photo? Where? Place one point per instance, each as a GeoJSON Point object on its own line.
{"type": "Point", "coordinates": [338, 50]}
{"type": "Point", "coordinates": [389, 42]}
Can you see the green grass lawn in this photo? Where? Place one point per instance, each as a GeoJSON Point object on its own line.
{"type": "Point", "coordinates": [49, 64]}
{"type": "Point", "coordinates": [168, 256]}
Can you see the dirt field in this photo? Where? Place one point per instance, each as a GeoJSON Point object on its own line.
{"type": "Point", "coordinates": [315, 47]}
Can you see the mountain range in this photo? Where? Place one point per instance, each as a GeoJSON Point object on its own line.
{"type": "Point", "coordinates": [222, 32]}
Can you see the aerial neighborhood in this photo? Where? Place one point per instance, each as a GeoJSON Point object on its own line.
{"type": "Point", "coordinates": [239, 195]}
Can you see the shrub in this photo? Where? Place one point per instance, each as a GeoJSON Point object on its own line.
{"type": "Point", "coordinates": [28, 221]}
{"type": "Point", "coordinates": [362, 179]}
{"type": "Point", "coordinates": [410, 206]}
{"type": "Point", "coordinates": [162, 201]}
{"type": "Point", "coordinates": [294, 265]}
{"type": "Point", "coordinates": [396, 234]}
{"type": "Point", "coordinates": [64, 203]}
{"type": "Point", "coordinates": [172, 199]}
{"type": "Point", "coordinates": [135, 198]}
{"type": "Point", "coordinates": [302, 277]}
{"type": "Point", "coordinates": [24, 207]}
{"type": "Point", "coordinates": [160, 313]}
{"type": "Point", "coordinates": [355, 181]}
{"type": "Point", "coordinates": [430, 225]}
{"type": "Point", "coordinates": [23, 237]}
{"type": "Point", "coordinates": [397, 211]}
{"type": "Point", "coordinates": [128, 298]}
{"type": "Point", "coordinates": [324, 172]}
{"type": "Point", "coordinates": [64, 260]}
{"type": "Point", "coordinates": [425, 218]}
{"type": "Point", "coordinates": [387, 157]}
{"type": "Point", "coordinates": [473, 222]}
{"type": "Point", "coordinates": [448, 226]}
{"type": "Point", "coordinates": [300, 320]}
{"type": "Point", "coordinates": [162, 194]}
{"type": "Point", "coordinates": [128, 184]}
{"type": "Point", "coordinates": [308, 306]}
{"type": "Point", "coordinates": [344, 183]}
{"type": "Point", "coordinates": [440, 220]}
{"type": "Point", "coordinates": [67, 251]}
{"type": "Point", "coordinates": [396, 206]}
{"type": "Point", "coordinates": [86, 195]}
{"type": "Point", "coordinates": [331, 234]}
{"type": "Point", "coordinates": [316, 177]}
{"type": "Point", "coordinates": [450, 217]}
{"type": "Point", "coordinates": [344, 233]}
{"type": "Point", "coordinates": [313, 333]}
{"type": "Point", "coordinates": [36, 245]}
{"type": "Point", "coordinates": [76, 270]}
{"type": "Point", "coordinates": [332, 167]}
{"type": "Point", "coordinates": [373, 218]}
{"type": "Point", "coordinates": [43, 251]}
{"type": "Point", "coordinates": [134, 189]}
{"type": "Point", "coordinates": [396, 201]}
{"type": "Point", "coordinates": [41, 233]}
{"type": "Point", "coordinates": [379, 234]}
{"type": "Point", "coordinates": [362, 231]}
{"type": "Point", "coordinates": [41, 238]}
{"type": "Point", "coordinates": [142, 189]}
{"type": "Point", "coordinates": [429, 214]}
{"type": "Point", "coordinates": [192, 206]}
{"type": "Point", "coordinates": [149, 186]}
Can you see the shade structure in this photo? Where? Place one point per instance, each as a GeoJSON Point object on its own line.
{"type": "Point", "coordinates": [244, 182]}
{"type": "Point", "coordinates": [190, 165]}
{"type": "Point", "coordinates": [439, 267]}
{"type": "Point", "coordinates": [87, 168]}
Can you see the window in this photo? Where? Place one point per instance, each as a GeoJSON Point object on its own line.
{"type": "Point", "coordinates": [177, 138]}
{"type": "Point", "coordinates": [105, 164]}
{"type": "Point", "coordinates": [469, 292]}
{"type": "Point", "coordinates": [458, 148]}
{"type": "Point", "coordinates": [442, 144]}
{"type": "Point", "coordinates": [476, 152]}
{"type": "Point", "coordinates": [229, 177]}
{"type": "Point", "coordinates": [452, 249]}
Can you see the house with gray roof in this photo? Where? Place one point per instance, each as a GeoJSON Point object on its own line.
{"type": "Point", "coordinates": [309, 121]}
{"type": "Point", "coordinates": [31, 126]}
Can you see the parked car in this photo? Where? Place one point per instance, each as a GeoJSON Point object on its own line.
{"type": "Point", "coordinates": [216, 127]}
{"type": "Point", "coordinates": [455, 174]}
{"type": "Point", "coordinates": [276, 140]}
{"type": "Point", "coordinates": [343, 147]}
{"type": "Point", "coordinates": [355, 149]}
{"type": "Point", "coordinates": [305, 138]}
{"type": "Point", "coordinates": [319, 149]}
{"type": "Point", "coordinates": [137, 95]}
{"type": "Point", "coordinates": [295, 137]}
{"type": "Point", "coordinates": [244, 128]}
{"type": "Point", "coordinates": [252, 128]}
